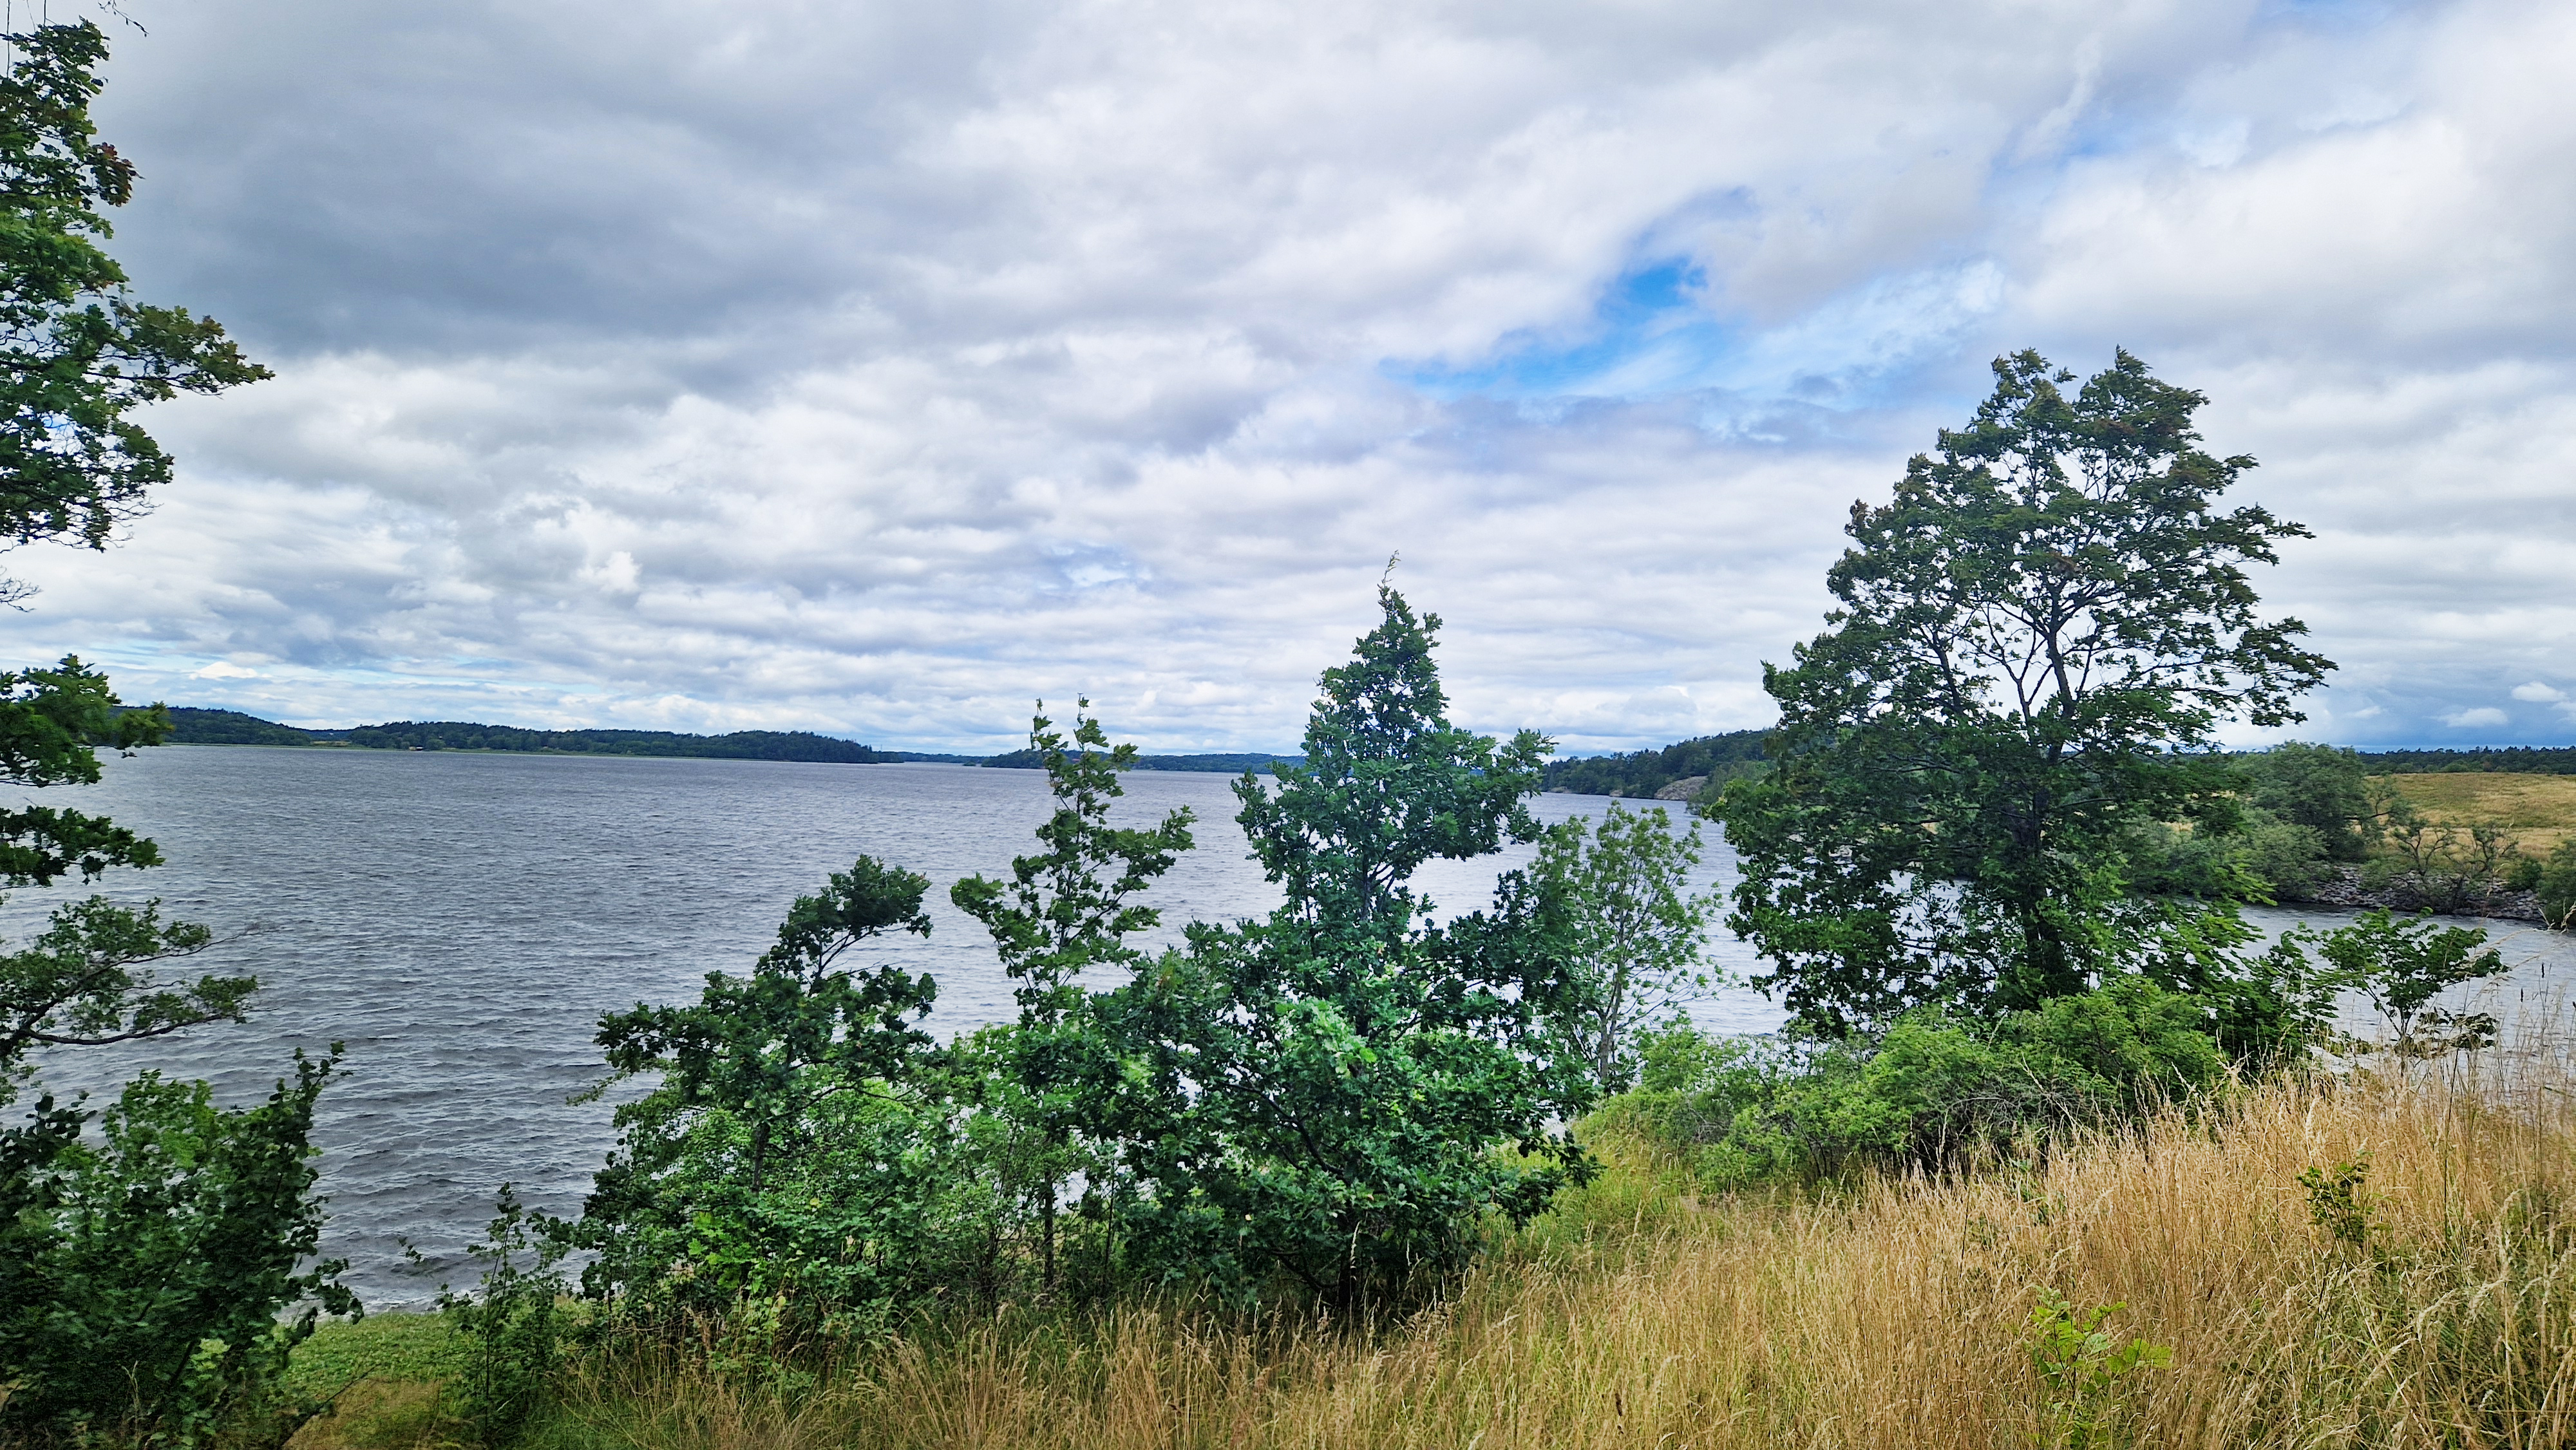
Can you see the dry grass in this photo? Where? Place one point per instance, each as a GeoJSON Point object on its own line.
{"type": "Point", "coordinates": [2538, 811]}
{"type": "Point", "coordinates": [1894, 1315]}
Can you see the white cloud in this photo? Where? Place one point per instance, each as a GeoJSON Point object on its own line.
{"type": "Point", "coordinates": [2538, 693]}
{"type": "Point", "coordinates": [2482, 717]}
{"type": "Point", "coordinates": [877, 369]}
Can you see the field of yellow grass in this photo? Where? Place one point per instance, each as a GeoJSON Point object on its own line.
{"type": "Point", "coordinates": [2538, 811]}
{"type": "Point", "coordinates": [1892, 1313]}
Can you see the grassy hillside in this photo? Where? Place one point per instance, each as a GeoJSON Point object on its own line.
{"type": "Point", "coordinates": [2537, 811]}
{"type": "Point", "coordinates": [2432, 1303]}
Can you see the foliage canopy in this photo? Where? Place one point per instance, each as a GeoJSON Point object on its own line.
{"type": "Point", "coordinates": [1320, 1097]}
{"type": "Point", "coordinates": [2035, 642]}
{"type": "Point", "coordinates": [77, 354]}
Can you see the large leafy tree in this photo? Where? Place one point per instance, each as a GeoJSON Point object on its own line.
{"type": "Point", "coordinates": [2035, 643]}
{"type": "Point", "coordinates": [77, 356]}
{"type": "Point", "coordinates": [1328, 1098]}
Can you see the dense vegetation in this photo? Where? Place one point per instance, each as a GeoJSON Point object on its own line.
{"type": "Point", "coordinates": [2328, 1264]}
{"type": "Point", "coordinates": [2512, 759]}
{"type": "Point", "coordinates": [798, 745]}
{"type": "Point", "coordinates": [1312, 1106]}
{"type": "Point", "coordinates": [1716, 759]}
{"type": "Point", "coordinates": [2302, 822]}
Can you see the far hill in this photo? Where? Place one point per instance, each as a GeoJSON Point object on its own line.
{"type": "Point", "coordinates": [799, 745]}
{"type": "Point", "coordinates": [1236, 764]}
{"type": "Point", "coordinates": [194, 726]}
{"type": "Point", "coordinates": [1641, 774]}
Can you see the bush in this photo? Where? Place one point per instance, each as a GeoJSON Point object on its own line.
{"type": "Point", "coordinates": [1338, 1101]}
{"type": "Point", "coordinates": [805, 1144]}
{"type": "Point", "coordinates": [2255, 856]}
{"type": "Point", "coordinates": [2403, 965]}
{"type": "Point", "coordinates": [144, 1271]}
{"type": "Point", "coordinates": [2438, 868]}
{"type": "Point", "coordinates": [1930, 1092]}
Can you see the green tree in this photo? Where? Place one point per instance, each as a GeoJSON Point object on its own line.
{"type": "Point", "coordinates": [77, 353]}
{"type": "Point", "coordinates": [142, 1269]}
{"type": "Point", "coordinates": [2322, 788]}
{"type": "Point", "coordinates": [2402, 965]}
{"type": "Point", "coordinates": [1328, 1098]}
{"type": "Point", "coordinates": [2035, 642]}
{"type": "Point", "coordinates": [1062, 914]}
{"type": "Point", "coordinates": [1632, 929]}
{"type": "Point", "coordinates": [794, 1142]}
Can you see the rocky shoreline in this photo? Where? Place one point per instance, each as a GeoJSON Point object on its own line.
{"type": "Point", "coordinates": [2344, 890]}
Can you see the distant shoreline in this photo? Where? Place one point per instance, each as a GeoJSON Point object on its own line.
{"type": "Point", "coordinates": [198, 726]}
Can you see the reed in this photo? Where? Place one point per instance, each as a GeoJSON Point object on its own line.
{"type": "Point", "coordinates": [1890, 1311]}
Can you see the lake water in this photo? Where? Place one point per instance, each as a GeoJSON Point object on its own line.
{"type": "Point", "coordinates": [462, 920]}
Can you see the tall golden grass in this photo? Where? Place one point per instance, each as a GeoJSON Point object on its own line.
{"type": "Point", "coordinates": [1893, 1312]}
{"type": "Point", "coordinates": [2536, 812]}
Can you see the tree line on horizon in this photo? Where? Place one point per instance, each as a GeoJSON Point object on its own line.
{"type": "Point", "coordinates": [194, 725]}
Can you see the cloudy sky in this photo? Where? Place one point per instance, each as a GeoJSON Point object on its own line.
{"type": "Point", "coordinates": [877, 368]}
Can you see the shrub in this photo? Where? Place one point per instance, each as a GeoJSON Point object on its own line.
{"type": "Point", "coordinates": [1323, 1102]}
{"type": "Point", "coordinates": [803, 1139]}
{"type": "Point", "coordinates": [512, 1334]}
{"type": "Point", "coordinates": [1930, 1092]}
{"type": "Point", "coordinates": [147, 1267]}
{"type": "Point", "coordinates": [2404, 965]}
{"type": "Point", "coordinates": [2083, 1369]}
{"type": "Point", "coordinates": [2253, 856]}
{"type": "Point", "coordinates": [1630, 926]}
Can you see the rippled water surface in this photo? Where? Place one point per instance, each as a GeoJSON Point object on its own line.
{"type": "Point", "coordinates": [462, 920]}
